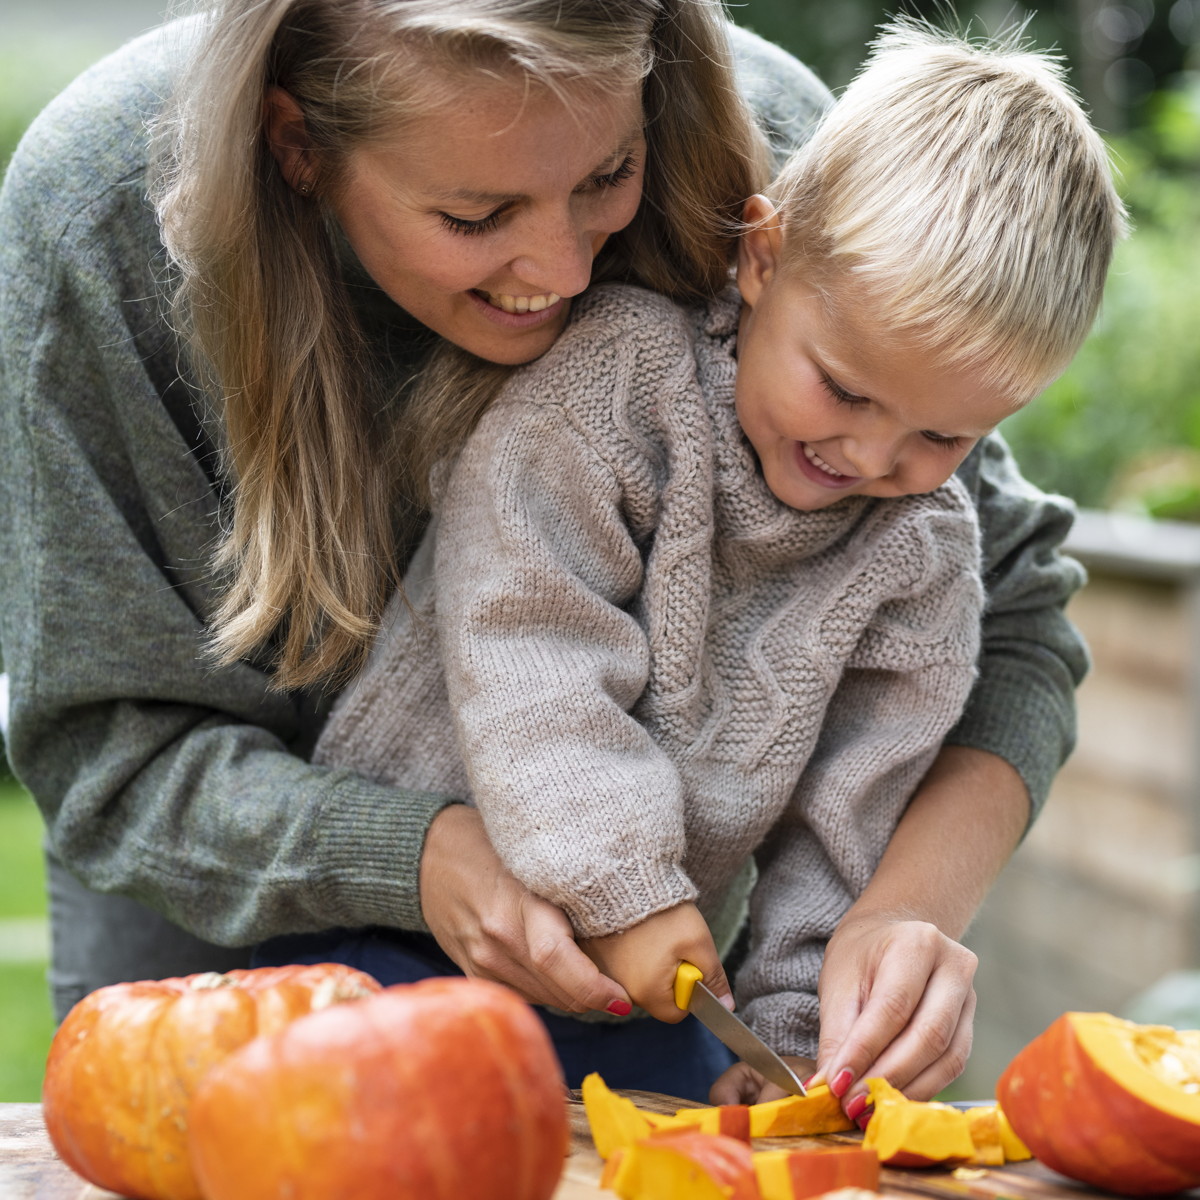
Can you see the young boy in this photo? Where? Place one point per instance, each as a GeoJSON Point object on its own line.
{"type": "Point", "coordinates": [711, 617]}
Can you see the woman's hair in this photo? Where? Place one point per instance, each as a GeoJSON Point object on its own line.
{"type": "Point", "coordinates": [956, 192]}
{"type": "Point", "coordinates": [319, 462]}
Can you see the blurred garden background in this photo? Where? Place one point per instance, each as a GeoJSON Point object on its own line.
{"type": "Point", "coordinates": [1120, 430]}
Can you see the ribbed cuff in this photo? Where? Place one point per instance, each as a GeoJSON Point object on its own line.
{"type": "Point", "coordinates": [1016, 713]}
{"type": "Point", "coordinates": [369, 842]}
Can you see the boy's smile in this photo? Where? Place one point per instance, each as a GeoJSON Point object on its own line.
{"type": "Point", "coordinates": [834, 409]}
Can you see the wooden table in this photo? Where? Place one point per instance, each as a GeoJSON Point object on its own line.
{"type": "Point", "coordinates": [30, 1170]}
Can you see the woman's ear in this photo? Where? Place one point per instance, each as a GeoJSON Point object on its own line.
{"type": "Point", "coordinates": [287, 136]}
{"type": "Point", "coordinates": [758, 248]}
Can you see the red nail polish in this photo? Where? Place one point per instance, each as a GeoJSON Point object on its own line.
{"type": "Point", "coordinates": [809, 1082]}
{"type": "Point", "coordinates": [863, 1121]}
{"type": "Point", "coordinates": [855, 1107]}
{"type": "Point", "coordinates": [841, 1081]}
{"type": "Point", "coordinates": [620, 1008]}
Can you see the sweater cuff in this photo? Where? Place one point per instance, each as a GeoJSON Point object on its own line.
{"type": "Point", "coordinates": [370, 840]}
{"type": "Point", "coordinates": [616, 900]}
{"type": "Point", "coordinates": [1017, 714]}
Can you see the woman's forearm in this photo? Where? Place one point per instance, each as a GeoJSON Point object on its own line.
{"type": "Point", "coordinates": [960, 828]}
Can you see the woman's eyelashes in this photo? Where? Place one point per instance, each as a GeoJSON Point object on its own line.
{"type": "Point", "coordinates": [610, 179]}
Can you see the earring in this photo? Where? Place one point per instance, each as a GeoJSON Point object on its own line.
{"type": "Point", "coordinates": [305, 188]}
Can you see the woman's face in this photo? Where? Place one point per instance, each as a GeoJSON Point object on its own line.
{"type": "Point", "coordinates": [483, 219]}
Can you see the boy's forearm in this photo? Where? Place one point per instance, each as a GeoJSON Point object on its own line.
{"type": "Point", "coordinates": [960, 828]}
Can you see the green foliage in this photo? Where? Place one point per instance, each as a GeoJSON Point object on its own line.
{"type": "Point", "coordinates": [1109, 431]}
{"type": "Point", "coordinates": [26, 1021]}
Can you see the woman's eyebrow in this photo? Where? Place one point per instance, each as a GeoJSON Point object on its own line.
{"type": "Point", "coordinates": [622, 151]}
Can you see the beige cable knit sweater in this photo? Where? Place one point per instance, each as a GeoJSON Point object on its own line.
{"type": "Point", "coordinates": [647, 672]}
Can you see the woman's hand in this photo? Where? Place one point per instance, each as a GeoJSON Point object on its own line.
{"type": "Point", "coordinates": [742, 1084]}
{"type": "Point", "coordinates": [494, 927]}
{"type": "Point", "coordinates": [896, 988]}
{"type": "Point", "coordinates": [897, 1000]}
{"type": "Point", "coordinates": [646, 956]}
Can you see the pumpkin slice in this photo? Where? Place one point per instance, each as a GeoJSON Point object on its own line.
{"type": "Point", "coordinates": [984, 1123]}
{"type": "Point", "coordinates": [914, 1133]}
{"type": "Point", "coordinates": [800, 1174]}
{"type": "Point", "coordinates": [1109, 1102]}
{"type": "Point", "coordinates": [683, 1164]}
{"type": "Point", "coordinates": [615, 1121]}
{"type": "Point", "coordinates": [799, 1116]}
{"type": "Point", "coordinates": [732, 1120]}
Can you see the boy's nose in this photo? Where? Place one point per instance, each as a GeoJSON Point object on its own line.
{"type": "Point", "coordinates": [873, 458]}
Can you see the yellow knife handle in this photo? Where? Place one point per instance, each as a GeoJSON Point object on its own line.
{"type": "Point", "coordinates": [686, 977]}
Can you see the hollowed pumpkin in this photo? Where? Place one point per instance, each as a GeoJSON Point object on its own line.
{"type": "Point", "coordinates": [1109, 1102]}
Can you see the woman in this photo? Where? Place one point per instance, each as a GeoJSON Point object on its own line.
{"type": "Point", "coordinates": [177, 794]}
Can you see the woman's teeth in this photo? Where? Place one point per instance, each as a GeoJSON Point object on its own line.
{"type": "Point", "coordinates": [818, 462]}
{"type": "Point", "coordinates": [522, 304]}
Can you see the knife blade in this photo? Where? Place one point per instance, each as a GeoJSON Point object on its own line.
{"type": "Point", "coordinates": [693, 996]}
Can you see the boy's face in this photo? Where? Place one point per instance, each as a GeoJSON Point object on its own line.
{"type": "Point", "coordinates": [832, 412]}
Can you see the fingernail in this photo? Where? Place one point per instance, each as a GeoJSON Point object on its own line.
{"type": "Point", "coordinates": [855, 1107]}
{"type": "Point", "coordinates": [620, 1008]}
{"type": "Point", "coordinates": [841, 1081]}
{"type": "Point", "coordinates": [727, 1000]}
{"type": "Point", "coordinates": [863, 1121]}
{"type": "Point", "coordinates": [812, 1080]}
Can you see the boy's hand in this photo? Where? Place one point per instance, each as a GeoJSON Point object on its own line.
{"type": "Point", "coordinates": [644, 958]}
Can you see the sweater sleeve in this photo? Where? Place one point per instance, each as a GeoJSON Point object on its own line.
{"type": "Point", "coordinates": [536, 568]}
{"type": "Point", "coordinates": [903, 687]}
{"type": "Point", "coordinates": [159, 778]}
{"type": "Point", "coordinates": [1023, 705]}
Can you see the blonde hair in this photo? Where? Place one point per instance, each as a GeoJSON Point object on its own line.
{"type": "Point", "coordinates": [320, 465]}
{"type": "Point", "coordinates": [958, 188]}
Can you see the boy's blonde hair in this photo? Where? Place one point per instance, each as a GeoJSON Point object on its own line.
{"type": "Point", "coordinates": [956, 192]}
{"type": "Point", "coordinates": [309, 558]}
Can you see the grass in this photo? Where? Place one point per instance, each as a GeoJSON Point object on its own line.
{"type": "Point", "coordinates": [26, 1022]}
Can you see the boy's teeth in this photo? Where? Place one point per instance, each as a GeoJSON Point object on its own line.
{"type": "Point", "coordinates": [522, 304]}
{"type": "Point", "coordinates": [818, 462]}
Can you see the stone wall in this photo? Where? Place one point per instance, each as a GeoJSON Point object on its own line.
{"type": "Point", "coordinates": [1100, 901]}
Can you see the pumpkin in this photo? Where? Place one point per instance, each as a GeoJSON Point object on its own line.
{"type": "Point", "coordinates": [815, 1170]}
{"type": "Point", "coordinates": [615, 1121]}
{"type": "Point", "coordinates": [125, 1062]}
{"type": "Point", "coordinates": [682, 1164]}
{"type": "Point", "coordinates": [1109, 1102]}
{"type": "Point", "coordinates": [441, 1089]}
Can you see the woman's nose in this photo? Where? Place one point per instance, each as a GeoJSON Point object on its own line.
{"type": "Point", "coordinates": [557, 256]}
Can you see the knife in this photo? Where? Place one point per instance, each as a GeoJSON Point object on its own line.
{"type": "Point", "coordinates": [696, 998]}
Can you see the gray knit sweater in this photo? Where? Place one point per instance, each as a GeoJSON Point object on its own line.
{"type": "Point", "coordinates": [654, 668]}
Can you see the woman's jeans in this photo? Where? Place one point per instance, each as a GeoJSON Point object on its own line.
{"type": "Point", "coordinates": [679, 1060]}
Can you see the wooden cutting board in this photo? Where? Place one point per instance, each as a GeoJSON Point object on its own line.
{"type": "Point", "coordinates": [30, 1170]}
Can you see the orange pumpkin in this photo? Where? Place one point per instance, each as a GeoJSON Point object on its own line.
{"type": "Point", "coordinates": [1109, 1103]}
{"type": "Point", "coordinates": [124, 1064]}
{"type": "Point", "coordinates": [446, 1088]}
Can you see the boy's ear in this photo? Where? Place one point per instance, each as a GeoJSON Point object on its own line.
{"type": "Point", "coordinates": [758, 248]}
{"type": "Point", "coordinates": [287, 137]}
